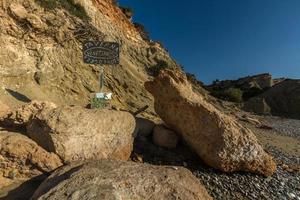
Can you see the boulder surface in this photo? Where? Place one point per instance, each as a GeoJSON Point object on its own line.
{"type": "Point", "coordinates": [4, 109]}
{"type": "Point", "coordinates": [107, 179]}
{"type": "Point", "coordinates": [218, 139]}
{"type": "Point", "coordinates": [21, 116]}
{"type": "Point", "coordinates": [164, 137]}
{"type": "Point", "coordinates": [76, 133]}
{"type": "Point", "coordinates": [21, 157]}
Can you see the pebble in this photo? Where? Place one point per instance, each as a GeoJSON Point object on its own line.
{"type": "Point", "coordinates": [286, 127]}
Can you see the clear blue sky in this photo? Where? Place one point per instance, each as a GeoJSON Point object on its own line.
{"type": "Point", "coordinates": [226, 39]}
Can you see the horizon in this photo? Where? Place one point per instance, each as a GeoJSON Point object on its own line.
{"type": "Point", "coordinates": [231, 39]}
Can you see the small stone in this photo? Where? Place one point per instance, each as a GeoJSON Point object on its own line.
{"type": "Point", "coordinates": [12, 174]}
{"type": "Point", "coordinates": [291, 195]}
{"type": "Point", "coordinates": [18, 11]}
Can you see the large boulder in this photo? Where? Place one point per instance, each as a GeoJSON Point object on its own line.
{"type": "Point", "coordinates": [21, 116]}
{"type": "Point", "coordinates": [144, 127]}
{"type": "Point", "coordinates": [20, 157]}
{"type": "Point", "coordinates": [76, 133]}
{"type": "Point", "coordinates": [217, 138]}
{"type": "Point", "coordinates": [107, 179]}
{"type": "Point", "coordinates": [4, 109]}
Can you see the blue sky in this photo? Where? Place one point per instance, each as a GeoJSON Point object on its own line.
{"type": "Point", "coordinates": [226, 39]}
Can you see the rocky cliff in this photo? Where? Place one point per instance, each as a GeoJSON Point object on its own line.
{"type": "Point", "coordinates": [248, 86]}
{"type": "Point", "coordinates": [41, 53]}
{"type": "Point", "coordinates": [283, 99]}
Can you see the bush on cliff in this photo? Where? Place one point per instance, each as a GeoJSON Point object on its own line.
{"type": "Point", "coordinates": [231, 94]}
{"type": "Point", "coordinates": [72, 7]}
{"type": "Point", "coordinates": [160, 65]}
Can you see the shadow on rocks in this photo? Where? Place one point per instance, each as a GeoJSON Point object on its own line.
{"type": "Point", "coordinates": [25, 190]}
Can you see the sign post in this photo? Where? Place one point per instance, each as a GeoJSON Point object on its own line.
{"type": "Point", "coordinates": [102, 75]}
{"type": "Point", "coordinates": [102, 53]}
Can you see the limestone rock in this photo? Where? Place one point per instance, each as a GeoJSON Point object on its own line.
{"type": "Point", "coordinates": [107, 179]}
{"type": "Point", "coordinates": [144, 127]}
{"type": "Point", "coordinates": [21, 157]}
{"type": "Point", "coordinates": [18, 11]}
{"type": "Point", "coordinates": [22, 115]}
{"type": "Point", "coordinates": [76, 133]}
{"type": "Point", "coordinates": [164, 137]}
{"type": "Point", "coordinates": [218, 139]}
{"type": "Point", "coordinates": [36, 22]}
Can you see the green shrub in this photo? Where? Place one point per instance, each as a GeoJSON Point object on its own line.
{"type": "Point", "coordinates": [161, 64]}
{"type": "Point", "coordinates": [142, 30]}
{"type": "Point", "coordinates": [127, 10]}
{"type": "Point", "coordinates": [98, 103]}
{"type": "Point", "coordinates": [69, 5]}
{"type": "Point", "coordinates": [115, 2]}
{"type": "Point", "coordinates": [231, 94]}
{"type": "Point", "coordinates": [234, 94]}
{"type": "Point", "coordinates": [252, 92]}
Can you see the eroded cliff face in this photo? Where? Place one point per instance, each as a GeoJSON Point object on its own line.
{"type": "Point", "coordinates": [41, 53]}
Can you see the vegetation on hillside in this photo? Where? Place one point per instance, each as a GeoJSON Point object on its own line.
{"type": "Point", "coordinates": [160, 65]}
{"type": "Point", "coordinates": [231, 94]}
{"type": "Point", "coordinates": [69, 5]}
{"type": "Point", "coordinates": [142, 30]}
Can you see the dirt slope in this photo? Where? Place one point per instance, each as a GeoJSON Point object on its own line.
{"type": "Point", "coordinates": [41, 56]}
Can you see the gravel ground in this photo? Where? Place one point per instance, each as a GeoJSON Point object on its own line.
{"type": "Point", "coordinates": [286, 127]}
{"type": "Point", "coordinates": [282, 185]}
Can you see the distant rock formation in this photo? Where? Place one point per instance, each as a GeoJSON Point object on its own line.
{"type": "Point", "coordinates": [283, 99]}
{"type": "Point", "coordinates": [250, 86]}
{"type": "Point", "coordinates": [260, 81]}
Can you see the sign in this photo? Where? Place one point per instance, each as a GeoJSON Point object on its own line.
{"type": "Point", "coordinates": [99, 52]}
{"type": "Point", "coordinates": [101, 95]}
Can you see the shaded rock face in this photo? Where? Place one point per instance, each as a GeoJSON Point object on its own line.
{"type": "Point", "coordinates": [144, 127]}
{"type": "Point", "coordinates": [75, 133]}
{"type": "Point", "coordinates": [218, 139]}
{"type": "Point", "coordinates": [257, 105]}
{"type": "Point", "coordinates": [21, 157]}
{"type": "Point", "coordinates": [164, 137]}
{"type": "Point", "coordinates": [107, 179]}
{"type": "Point", "coordinates": [283, 99]}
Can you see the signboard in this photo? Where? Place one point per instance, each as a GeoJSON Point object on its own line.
{"type": "Point", "coordinates": [99, 52]}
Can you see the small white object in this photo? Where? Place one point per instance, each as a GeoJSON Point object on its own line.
{"type": "Point", "coordinates": [100, 95]}
{"type": "Point", "coordinates": [106, 96]}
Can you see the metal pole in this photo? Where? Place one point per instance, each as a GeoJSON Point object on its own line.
{"type": "Point", "coordinates": [102, 76]}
